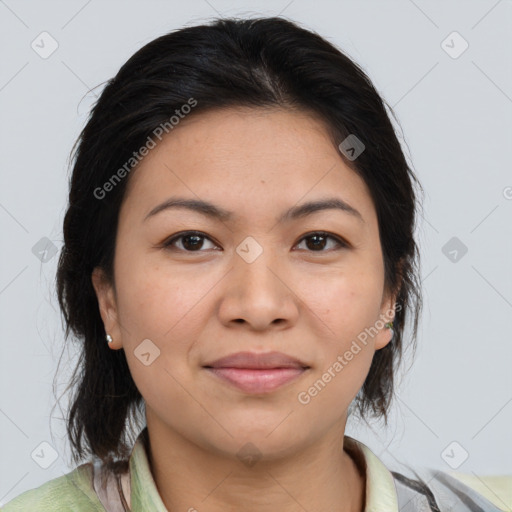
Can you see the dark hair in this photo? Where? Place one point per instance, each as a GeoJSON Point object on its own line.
{"type": "Point", "coordinates": [256, 63]}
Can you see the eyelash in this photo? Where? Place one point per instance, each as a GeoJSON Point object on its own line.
{"type": "Point", "coordinates": [168, 244]}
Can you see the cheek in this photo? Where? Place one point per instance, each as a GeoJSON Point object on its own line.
{"type": "Point", "coordinates": [167, 312]}
{"type": "Point", "coordinates": [170, 311]}
{"type": "Point", "coordinates": [346, 303]}
{"type": "Point", "coordinates": [155, 302]}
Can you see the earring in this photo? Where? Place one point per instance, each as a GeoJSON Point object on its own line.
{"type": "Point", "coordinates": [389, 325]}
{"type": "Point", "coordinates": [109, 339]}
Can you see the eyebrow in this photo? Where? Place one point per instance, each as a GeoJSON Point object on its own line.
{"type": "Point", "coordinates": [216, 212]}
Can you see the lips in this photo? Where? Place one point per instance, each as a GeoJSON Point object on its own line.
{"type": "Point", "coordinates": [257, 361]}
{"type": "Point", "coordinates": [257, 373]}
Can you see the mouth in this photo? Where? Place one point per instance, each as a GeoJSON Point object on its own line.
{"type": "Point", "coordinates": [251, 380]}
{"type": "Point", "coordinates": [257, 372]}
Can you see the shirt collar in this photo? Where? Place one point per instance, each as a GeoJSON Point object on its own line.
{"type": "Point", "coordinates": [144, 493]}
{"type": "Point", "coordinates": [381, 493]}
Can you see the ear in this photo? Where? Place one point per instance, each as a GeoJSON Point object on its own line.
{"type": "Point", "coordinates": [387, 314]}
{"type": "Point", "coordinates": [108, 306]}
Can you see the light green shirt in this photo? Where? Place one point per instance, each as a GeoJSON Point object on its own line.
{"type": "Point", "coordinates": [80, 490]}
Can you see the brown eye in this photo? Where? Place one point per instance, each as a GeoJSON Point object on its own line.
{"type": "Point", "coordinates": [318, 241]}
{"type": "Point", "coordinates": [194, 241]}
{"type": "Point", "coordinates": [191, 241]}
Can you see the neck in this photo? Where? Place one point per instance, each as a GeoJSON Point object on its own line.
{"type": "Point", "coordinates": [189, 477]}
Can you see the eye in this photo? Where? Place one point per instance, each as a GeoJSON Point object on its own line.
{"type": "Point", "coordinates": [191, 241]}
{"type": "Point", "coordinates": [319, 241]}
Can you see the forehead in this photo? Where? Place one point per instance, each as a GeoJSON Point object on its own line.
{"type": "Point", "coordinates": [247, 157]}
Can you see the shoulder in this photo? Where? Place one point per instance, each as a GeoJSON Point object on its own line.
{"type": "Point", "coordinates": [73, 491]}
{"type": "Point", "coordinates": [427, 489]}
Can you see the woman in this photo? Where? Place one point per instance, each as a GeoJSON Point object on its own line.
{"type": "Point", "coordinates": [239, 265]}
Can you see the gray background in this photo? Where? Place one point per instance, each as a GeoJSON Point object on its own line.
{"type": "Point", "coordinates": [455, 114]}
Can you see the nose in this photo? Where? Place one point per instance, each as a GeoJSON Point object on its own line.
{"type": "Point", "coordinates": [259, 295]}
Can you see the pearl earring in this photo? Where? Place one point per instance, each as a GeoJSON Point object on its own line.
{"type": "Point", "coordinates": [109, 338]}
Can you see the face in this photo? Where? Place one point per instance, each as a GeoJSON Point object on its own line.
{"type": "Point", "coordinates": [306, 284]}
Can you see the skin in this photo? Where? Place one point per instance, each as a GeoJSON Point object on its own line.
{"type": "Point", "coordinates": [205, 303]}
